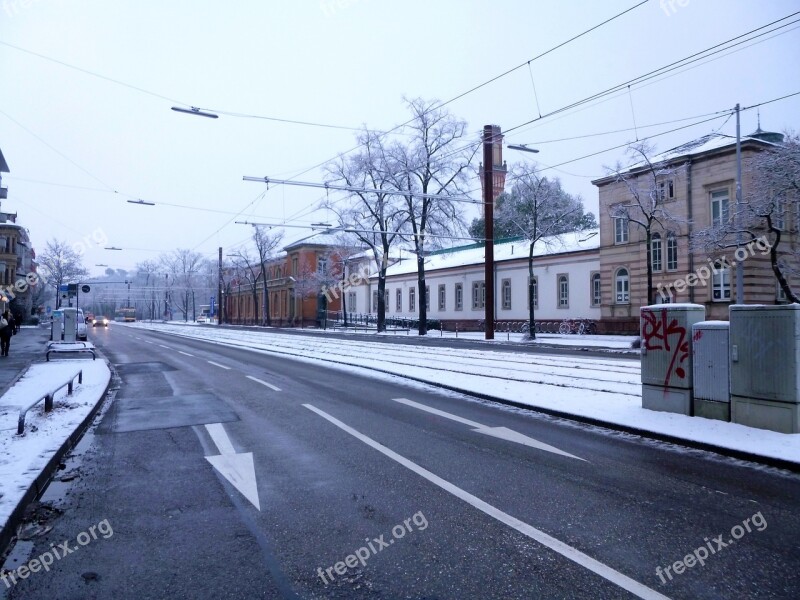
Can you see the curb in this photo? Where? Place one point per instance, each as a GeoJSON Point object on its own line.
{"type": "Point", "coordinates": [661, 437]}
{"type": "Point", "coordinates": [9, 530]}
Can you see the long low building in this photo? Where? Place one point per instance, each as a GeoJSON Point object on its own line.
{"type": "Point", "coordinates": [566, 277]}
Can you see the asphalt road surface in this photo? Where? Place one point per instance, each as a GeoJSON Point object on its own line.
{"type": "Point", "coordinates": [218, 472]}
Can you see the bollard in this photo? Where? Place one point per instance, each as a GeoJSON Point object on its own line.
{"type": "Point", "coordinates": [69, 388]}
{"type": "Point", "coordinates": [48, 403]}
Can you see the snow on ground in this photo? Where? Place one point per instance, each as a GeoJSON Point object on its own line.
{"type": "Point", "coordinates": [22, 458]}
{"type": "Point", "coordinates": [606, 389]}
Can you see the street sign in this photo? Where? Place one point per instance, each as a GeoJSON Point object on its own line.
{"type": "Point", "coordinates": [86, 289]}
{"type": "Point", "coordinates": [64, 287]}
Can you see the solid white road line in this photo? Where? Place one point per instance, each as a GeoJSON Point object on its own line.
{"type": "Point", "coordinates": [269, 385]}
{"type": "Point", "coordinates": [576, 556]}
{"type": "Point", "coordinates": [211, 362]}
{"type": "Point", "coordinates": [186, 353]}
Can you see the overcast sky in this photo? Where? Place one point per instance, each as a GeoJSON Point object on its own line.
{"type": "Point", "coordinates": [80, 146]}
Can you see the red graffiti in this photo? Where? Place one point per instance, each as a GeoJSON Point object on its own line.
{"type": "Point", "coordinates": [697, 335]}
{"type": "Point", "coordinates": [658, 334]}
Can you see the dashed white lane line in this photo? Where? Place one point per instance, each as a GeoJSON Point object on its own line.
{"type": "Point", "coordinates": [269, 385]}
{"type": "Point", "coordinates": [185, 353]}
{"type": "Point", "coordinates": [576, 556]}
{"type": "Point", "coordinates": [211, 362]}
{"type": "Point", "coordinates": [163, 346]}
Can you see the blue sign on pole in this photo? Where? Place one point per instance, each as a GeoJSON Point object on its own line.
{"type": "Point", "coordinates": [212, 312]}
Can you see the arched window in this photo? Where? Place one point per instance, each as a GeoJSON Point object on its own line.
{"type": "Point", "coordinates": [622, 286]}
{"type": "Point", "coordinates": [655, 251]}
{"type": "Point", "coordinates": [563, 291]}
{"type": "Point", "coordinates": [672, 252]}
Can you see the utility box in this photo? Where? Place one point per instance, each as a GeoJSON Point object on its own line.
{"type": "Point", "coordinates": [666, 331]}
{"type": "Point", "coordinates": [765, 366]}
{"type": "Point", "coordinates": [57, 326]}
{"type": "Point", "coordinates": [711, 370]}
{"type": "Point", "coordinates": [70, 324]}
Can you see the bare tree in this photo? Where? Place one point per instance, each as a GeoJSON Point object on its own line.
{"type": "Point", "coordinates": [183, 265]}
{"type": "Point", "coordinates": [430, 169]}
{"type": "Point", "coordinates": [251, 271]}
{"type": "Point", "coordinates": [644, 205]}
{"type": "Point", "coordinates": [266, 244]}
{"type": "Point", "coordinates": [374, 216]}
{"type": "Point", "coordinates": [61, 264]}
{"type": "Point", "coordinates": [764, 216]}
{"type": "Point", "coordinates": [540, 210]}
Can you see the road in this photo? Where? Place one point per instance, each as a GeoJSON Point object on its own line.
{"type": "Point", "coordinates": [219, 472]}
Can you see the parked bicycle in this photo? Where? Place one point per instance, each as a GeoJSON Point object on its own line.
{"type": "Point", "coordinates": [577, 326]}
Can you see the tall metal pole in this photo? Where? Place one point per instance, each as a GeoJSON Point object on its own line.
{"type": "Point", "coordinates": [219, 288]}
{"type": "Point", "coordinates": [737, 217]}
{"type": "Point", "coordinates": [488, 217]}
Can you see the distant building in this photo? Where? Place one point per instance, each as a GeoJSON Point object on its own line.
{"type": "Point", "coordinates": [17, 257]}
{"type": "Point", "coordinates": [701, 191]}
{"type": "Point", "coordinates": [566, 274]}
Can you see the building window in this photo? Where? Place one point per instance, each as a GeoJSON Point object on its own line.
{"type": "Point", "coordinates": [375, 301]}
{"type": "Point", "coordinates": [442, 297]}
{"type": "Point", "coordinates": [399, 300]}
{"type": "Point", "coordinates": [412, 299]}
{"type": "Point", "coordinates": [719, 207]}
{"type": "Point", "coordinates": [478, 295]}
{"type": "Point", "coordinates": [620, 230]}
{"type": "Point", "coordinates": [427, 298]}
{"type": "Point", "coordinates": [672, 252]}
{"type": "Point", "coordinates": [322, 264]}
{"type": "Point", "coordinates": [720, 283]}
{"type": "Point", "coordinates": [664, 297]}
{"type": "Point", "coordinates": [779, 218]}
{"type": "Point", "coordinates": [563, 291]}
{"type": "Point", "coordinates": [666, 190]}
{"type": "Point", "coordinates": [294, 266]}
{"type": "Point", "coordinates": [597, 297]}
{"type": "Point", "coordinates": [780, 295]}
{"type": "Point", "coordinates": [386, 300]}
{"type": "Point", "coordinates": [533, 292]}
{"type": "Point", "coordinates": [459, 296]}
{"type": "Point", "coordinates": [351, 302]}
{"type": "Point", "coordinates": [655, 251]}
{"type": "Point", "coordinates": [506, 293]}
{"type": "Point", "coordinates": [622, 285]}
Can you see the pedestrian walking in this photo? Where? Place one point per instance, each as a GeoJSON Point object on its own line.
{"type": "Point", "coordinates": [8, 327]}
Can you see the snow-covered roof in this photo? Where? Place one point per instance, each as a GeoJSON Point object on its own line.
{"type": "Point", "coordinates": [707, 143]}
{"type": "Point", "coordinates": [320, 238]}
{"type": "Point", "coordinates": [503, 251]}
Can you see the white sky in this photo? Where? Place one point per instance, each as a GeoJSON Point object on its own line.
{"type": "Point", "coordinates": [340, 62]}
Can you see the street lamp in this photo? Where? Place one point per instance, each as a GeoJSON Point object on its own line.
{"type": "Point", "coordinates": [195, 111]}
{"type": "Point", "coordinates": [522, 148]}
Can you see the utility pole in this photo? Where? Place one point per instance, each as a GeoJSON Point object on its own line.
{"type": "Point", "coordinates": [737, 216]}
{"type": "Point", "coordinates": [492, 166]}
{"type": "Point", "coordinates": [219, 288]}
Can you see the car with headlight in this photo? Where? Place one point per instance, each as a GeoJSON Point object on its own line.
{"type": "Point", "coordinates": [100, 321]}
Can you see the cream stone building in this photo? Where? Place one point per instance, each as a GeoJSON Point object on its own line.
{"type": "Point", "coordinates": [698, 189]}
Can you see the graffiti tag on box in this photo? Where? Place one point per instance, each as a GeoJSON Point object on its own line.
{"type": "Point", "coordinates": [662, 334]}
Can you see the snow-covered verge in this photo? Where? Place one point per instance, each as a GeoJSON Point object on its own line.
{"type": "Point", "coordinates": [23, 458]}
{"type": "Point", "coordinates": [603, 389]}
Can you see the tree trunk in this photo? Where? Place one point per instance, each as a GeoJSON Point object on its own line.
{"type": "Point", "coordinates": [531, 317]}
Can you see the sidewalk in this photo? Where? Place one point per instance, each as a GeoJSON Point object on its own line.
{"type": "Point", "coordinates": [26, 346]}
{"type": "Point", "coordinates": [28, 461]}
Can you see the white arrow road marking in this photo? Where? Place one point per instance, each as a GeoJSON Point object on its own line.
{"type": "Point", "coordinates": [211, 362]}
{"type": "Point", "coordinates": [576, 556]}
{"type": "Point", "coordinates": [185, 353]}
{"type": "Point", "coordinates": [269, 385]}
{"type": "Point", "coordinates": [238, 469]}
{"type": "Point", "coordinates": [504, 433]}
